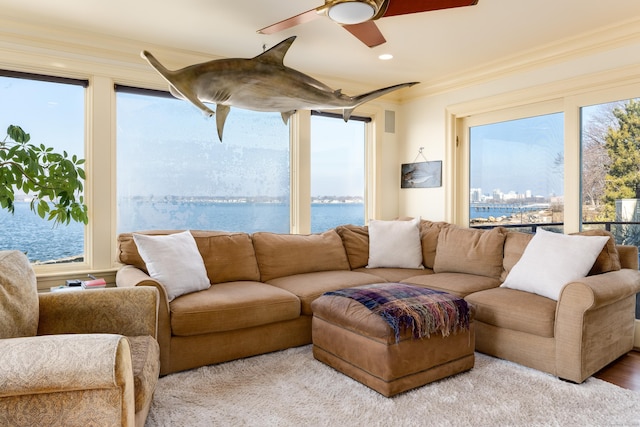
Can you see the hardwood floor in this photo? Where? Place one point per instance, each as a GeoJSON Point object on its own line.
{"type": "Point", "coordinates": [624, 372]}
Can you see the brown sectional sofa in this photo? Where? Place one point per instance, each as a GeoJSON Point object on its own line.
{"type": "Point", "coordinates": [263, 285]}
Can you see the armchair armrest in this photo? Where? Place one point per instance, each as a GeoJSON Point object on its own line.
{"type": "Point", "coordinates": [132, 277]}
{"type": "Point", "coordinates": [129, 312]}
{"type": "Point", "coordinates": [595, 321]}
{"type": "Point", "coordinates": [70, 374]}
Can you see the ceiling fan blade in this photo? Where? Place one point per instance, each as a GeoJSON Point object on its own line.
{"type": "Point", "coordinates": [405, 7]}
{"type": "Point", "coordinates": [367, 32]}
{"type": "Point", "coordinates": [301, 18]}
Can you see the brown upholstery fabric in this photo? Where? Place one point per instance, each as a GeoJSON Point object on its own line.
{"type": "Point", "coordinates": [230, 306]}
{"type": "Point", "coordinates": [517, 310]}
{"type": "Point", "coordinates": [608, 260]}
{"type": "Point", "coordinates": [350, 338]}
{"type": "Point", "coordinates": [459, 284]}
{"type": "Point", "coordinates": [514, 245]}
{"type": "Point", "coordinates": [18, 296]}
{"type": "Point", "coordinates": [355, 239]}
{"type": "Point", "coordinates": [429, 232]}
{"type": "Point", "coordinates": [227, 256]}
{"type": "Point", "coordinates": [388, 274]}
{"type": "Point", "coordinates": [282, 255]}
{"type": "Point", "coordinates": [472, 251]}
{"type": "Point", "coordinates": [310, 286]}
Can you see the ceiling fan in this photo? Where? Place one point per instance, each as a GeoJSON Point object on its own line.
{"type": "Point", "coordinates": [358, 16]}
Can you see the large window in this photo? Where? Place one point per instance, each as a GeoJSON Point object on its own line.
{"type": "Point", "coordinates": [337, 171]}
{"type": "Point", "coordinates": [610, 169]}
{"type": "Point", "coordinates": [173, 172]}
{"type": "Point", "coordinates": [52, 111]}
{"type": "Point", "coordinates": [516, 171]}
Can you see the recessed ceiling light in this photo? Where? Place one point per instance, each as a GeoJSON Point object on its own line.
{"type": "Point", "coordinates": [385, 56]}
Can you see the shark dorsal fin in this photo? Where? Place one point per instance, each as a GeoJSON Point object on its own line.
{"type": "Point", "coordinates": [276, 54]}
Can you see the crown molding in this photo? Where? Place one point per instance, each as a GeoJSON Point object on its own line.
{"type": "Point", "coordinates": [575, 47]}
{"type": "Point", "coordinates": [34, 47]}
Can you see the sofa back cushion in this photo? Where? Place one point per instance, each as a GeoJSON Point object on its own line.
{"type": "Point", "coordinates": [355, 239]}
{"type": "Point", "coordinates": [227, 256]}
{"type": "Point", "coordinates": [608, 260]}
{"type": "Point", "coordinates": [471, 251]}
{"type": "Point", "coordinates": [429, 233]}
{"type": "Point", "coordinates": [282, 255]}
{"type": "Point", "coordinates": [514, 245]}
{"type": "Point", "coordinates": [19, 307]}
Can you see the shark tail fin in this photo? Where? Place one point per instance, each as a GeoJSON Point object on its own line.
{"type": "Point", "coordinates": [156, 64]}
{"type": "Point", "coordinates": [177, 85]}
{"type": "Point", "coordinates": [361, 99]}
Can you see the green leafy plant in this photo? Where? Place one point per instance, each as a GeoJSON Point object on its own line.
{"type": "Point", "coordinates": [54, 180]}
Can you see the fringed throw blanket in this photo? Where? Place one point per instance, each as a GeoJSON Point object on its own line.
{"type": "Point", "coordinates": [405, 307]}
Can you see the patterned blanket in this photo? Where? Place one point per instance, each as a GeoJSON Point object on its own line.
{"type": "Point", "coordinates": [405, 307]}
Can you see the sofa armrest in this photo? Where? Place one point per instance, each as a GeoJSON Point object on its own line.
{"type": "Point", "coordinates": [59, 379]}
{"type": "Point", "coordinates": [129, 312]}
{"type": "Point", "coordinates": [595, 320]}
{"type": "Point", "coordinates": [132, 277]}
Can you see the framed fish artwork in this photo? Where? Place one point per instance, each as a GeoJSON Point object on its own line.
{"type": "Point", "coordinates": [421, 175]}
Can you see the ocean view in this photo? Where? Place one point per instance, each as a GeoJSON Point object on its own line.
{"type": "Point", "coordinates": [42, 241]}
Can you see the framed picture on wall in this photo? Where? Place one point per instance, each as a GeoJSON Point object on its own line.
{"type": "Point", "coordinates": [421, 175]}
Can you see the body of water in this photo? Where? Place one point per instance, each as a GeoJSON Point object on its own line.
{"type": "Point", "coordinates": [42, 241]}
{"type": "Point", "coordinates": [496, 210]}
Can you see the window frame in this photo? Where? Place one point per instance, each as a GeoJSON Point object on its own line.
{"type": "Point", "coordinates": [85, 83]}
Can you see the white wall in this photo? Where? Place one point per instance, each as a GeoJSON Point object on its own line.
{"type": "Point", "coordinates": [603, 60]}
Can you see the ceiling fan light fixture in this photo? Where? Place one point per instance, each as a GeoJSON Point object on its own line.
{"type": "Point", "coordinates": [352, 12]}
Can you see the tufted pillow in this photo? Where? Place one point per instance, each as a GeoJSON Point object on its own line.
{"type": "Point", "coordinates": [19, 309]}
{"type": "Point", "coordinates": [174, 261]}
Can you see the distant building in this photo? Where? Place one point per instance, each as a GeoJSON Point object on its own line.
{"type": "Point", "coordinates": [628, 210]}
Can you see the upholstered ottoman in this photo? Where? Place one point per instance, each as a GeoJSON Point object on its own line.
{"type": "Point", "coordinates": [433, 336]}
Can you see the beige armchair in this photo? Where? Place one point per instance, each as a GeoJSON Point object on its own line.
{"type": "Point", "coordinates": [77, 358]}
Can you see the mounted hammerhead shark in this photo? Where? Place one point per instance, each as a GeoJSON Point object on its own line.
{"type": "Point", "coordinates": [262, 83]}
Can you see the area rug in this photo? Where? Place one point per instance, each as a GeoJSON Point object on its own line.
{"type": "Point", "coordinates": [291, 388]}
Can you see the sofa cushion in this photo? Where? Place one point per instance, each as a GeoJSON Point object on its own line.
{"type": "Point", "coordinates": [355, 239]}
{"type": "Point", "coordinates": [460, 284]}
{"type": "Point", "coordinates": [281, 255]}
{"type": "Point", "coordinates": [230, 306]}
{"type": "Point", "coordinates": [174, 261]}
{"type": "Point", "coordinates": [551, 260]}
{"type": "Point", "coordinates": [515, 310]}
{"type": "Point", "coordinates": [608, 259]}
{"type": "Point", "coordinates": [395, 274]}
{"type": "Point", "coordinates": [307, 287]}
{"type": "Point", "coordinates": [19, 306]}
{"type": "Point", "coordinates": [429, 232]}
{"type": "Point", "coordinates": [471, 251]}
{"type": "Point", "coordinates": [395, 244]}
{"type": "Point", "coordinates": [514, 246]}
{"type": "Point", "coordinates": [227, 256]}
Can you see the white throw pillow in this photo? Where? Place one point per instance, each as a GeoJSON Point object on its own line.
{"type": "Point", "coordinates": [395, 244]}
{"type": "Point", "coordinates": [174, 261]}
{"type": "Point", "coordinates": [551, 260]}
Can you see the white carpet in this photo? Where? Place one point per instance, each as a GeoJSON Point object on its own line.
{"type": "Point", "coordinates": [291, 388]}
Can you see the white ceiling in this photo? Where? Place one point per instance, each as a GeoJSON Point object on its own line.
{"type": "Point", "coordinates": [427, 47]}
